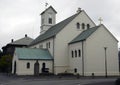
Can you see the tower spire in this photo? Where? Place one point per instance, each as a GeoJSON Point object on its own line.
{"type": "Point", "coordinates": [48, 18]}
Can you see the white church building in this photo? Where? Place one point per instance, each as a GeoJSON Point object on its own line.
{"type": "Point", "coordinates": [74, 45]}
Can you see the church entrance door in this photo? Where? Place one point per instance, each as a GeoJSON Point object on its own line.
{"type": "Point", "coordinates": [43, 67]}
{"type": "Point", "coordinates": [36, 68]}
{"type": "Point", "coordinates": [14, 67]}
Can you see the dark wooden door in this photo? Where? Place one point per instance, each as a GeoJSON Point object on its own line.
{"type": "Point", "coordinates": [14, 67]}
{"type": "Point", "coordinates": [36, 68]}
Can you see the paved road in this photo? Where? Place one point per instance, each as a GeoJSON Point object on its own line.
{"type": "Point", "coordinates": [60, 82]}
{"type": "Point", "coordinates": [5, 80]}
{"type": "Point", "coordinates": [103, 83]}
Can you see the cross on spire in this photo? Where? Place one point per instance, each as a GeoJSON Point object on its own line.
{"type": "Point", "coordinates": [46, 4]}
{"type": "Point", "coordinates": [100, 19]}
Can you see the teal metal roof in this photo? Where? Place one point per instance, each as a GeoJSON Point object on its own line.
{"type": "Point", "coordinates": [84, 35]}
{"type": "Point", "coordinates": [53, 30]}
{"type": "Point", "coordinates": [33, 54]}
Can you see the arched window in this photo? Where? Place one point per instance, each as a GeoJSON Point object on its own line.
{"type": "Point", "coordinates": [78, 25]}
{"type": "Point", "coordinates": [72, 54]}
{"type": "Point", "coordinates": [28, 65]}
{"type": "Point", "coordinates": [49, 44]}
{"type": "Point", "coordinates": [83, 26]}
{"type": "Point", "coordinates": [88, 26]}
{"type": "Point", "coordinates": [43, 65]}
{"type": "Point", "coordinates": [79, 52]}
{"type": "Point", "coordinates": [46, 45]}
{"type": "Point", "coordinates": [75, 53]}
{"type": "Point", "coordinates": [75, 70]}
{"type": "Point", "coordinates": [50, 20]}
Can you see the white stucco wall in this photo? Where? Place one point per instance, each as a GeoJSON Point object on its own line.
{"type": "Point", "coordinates": [64, 37]}
{"type": "Point", "coordinates": [21, 66]}
{"type": "Point", "coordinates": [75, 62]}
{"type": "Point", "coordinates": [95, 53]}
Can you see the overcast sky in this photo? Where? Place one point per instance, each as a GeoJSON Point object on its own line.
{"type": "Point", "coordinates": [20, 17]}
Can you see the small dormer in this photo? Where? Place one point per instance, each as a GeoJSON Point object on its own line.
{"type": "Point", "coordinates": [48, 19]}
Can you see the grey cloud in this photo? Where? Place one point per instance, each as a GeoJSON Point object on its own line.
{"type": "Point", "coordinates": [19, 17]}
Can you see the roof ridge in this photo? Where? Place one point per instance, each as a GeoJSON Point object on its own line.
{"type": "Point", "coordinates": [48, 8]}
{"type": "Point", "coordinates": [84, 35]}
{"type": "Point", "coordinates": [31, 48]}
{"type": "Point", "coordinates": [22, 41]}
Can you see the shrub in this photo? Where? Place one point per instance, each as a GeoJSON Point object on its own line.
{"type": "Point", "coordinates": [6, 63]}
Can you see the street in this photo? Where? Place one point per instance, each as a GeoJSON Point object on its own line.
{"type": "Point", "coordinates": [12, 80]}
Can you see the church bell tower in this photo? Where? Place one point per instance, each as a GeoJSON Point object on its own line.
{"type": "Point", "coordinates": [48, 19]}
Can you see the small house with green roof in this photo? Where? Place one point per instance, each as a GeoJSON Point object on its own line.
{"type": "Point", "coordinates": [74, 45]}
{"type": "Point", "coordinates": [32, 61]}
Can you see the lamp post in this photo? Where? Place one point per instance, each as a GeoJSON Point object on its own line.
{"type": "Point", "coordinates": [105, 48]}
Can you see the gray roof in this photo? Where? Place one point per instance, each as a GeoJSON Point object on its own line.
{"type": "Point", "coordinates": [51, 32]}
{"type": "Point", "coordinates": [49, 8]}
{"type": "Point", "coordinates": [33, 54]}
{"type": "Point", "coordinates": [22, 41]}
{"type": "Point", "coordinates": [84, 35]}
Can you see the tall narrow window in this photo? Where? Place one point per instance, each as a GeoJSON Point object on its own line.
{"type": "Point", "coordinates": [50, 20]}
{"type": "Point", "coordinates": [83, 26]}
{"type": "Point", "coordinates": [75, 53]}
{"type": "Point", "coordinates": [28, 65]}
{"type": "Point", "coordinates": [43, 67]}
{"type": "Point", "coordinates": [49, 44]}
{"type": "Point", "coordinates": [46, 45]}
{"type": "Point", "coordinates": [40, 46]}
{"type": "Point", "coordinates": [42, 21]}
{"type": "Point", "coordinates": [72, 54]}
{"type": "Point", "coordinates": [78, 25]}
{"type": "Point", "coordinates": [75, 70]}
{"type": "Point", "coordinates": [88, 26]}
{"type": "Point", "coordinates": [79, 51]}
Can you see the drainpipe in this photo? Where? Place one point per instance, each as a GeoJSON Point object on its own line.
{"type": "Point", "coordinates": [53, 54]}
{"type": "Point", "coordinates": [82, 58]}
{"type": "Point", "coordinates": [105, 48]}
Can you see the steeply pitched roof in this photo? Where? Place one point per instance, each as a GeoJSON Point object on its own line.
{"type": "Point", "coordinates": [53, 30]}
{"type": "Point", "coordinates": [22, 41]}
{"type": "Point", "coordinates": [33, 54]}
{"type": "Point", "coordinates": [84, 35]}
{"type": "Point", "coordinates": [49, 8]}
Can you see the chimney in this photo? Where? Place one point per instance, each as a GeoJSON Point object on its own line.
{"type": "Point", "coordinates": [79, 10]}
{"type": "Point", "coordinates": [12, 40]}
{"type": "Point", "coordinates": [25, 35]}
